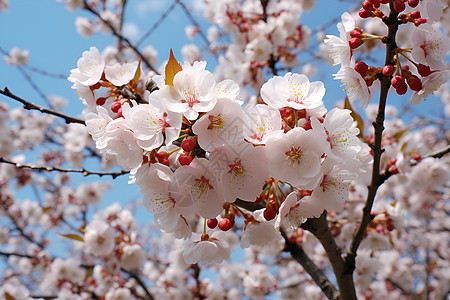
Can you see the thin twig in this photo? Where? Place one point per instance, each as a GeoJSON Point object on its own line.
{"type": "Point", "coordinates": [51, 169]}
{"type": "Point", "coordinates": [31, 106]}
{"type": "Point", "coordinates": [403, 290]}
{"type": "Point", "coordinates": [135, 275]}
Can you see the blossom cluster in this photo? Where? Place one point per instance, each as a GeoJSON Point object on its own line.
{"type": "Point", "coordinates": [423, 70]}
{"type": "Point", "coordinates": [194, 150]}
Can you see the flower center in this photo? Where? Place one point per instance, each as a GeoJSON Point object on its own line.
{"type": "Point", "coordinates": [201, 186]}
{"type": "Point", "coordinates": [294, 155]}
{"type": "Point", "coordinates": [190, 96]}
{"type": "Point", "coordinates": [297, 92]}
{"type": "Point", "coordinates": [216, 122]}
{"type": "Point", "coordinates": [236, 168]}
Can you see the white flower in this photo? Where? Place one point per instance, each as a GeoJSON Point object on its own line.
{"type": "Point", "coordinates": [99, 238]}
{"type": "Point", "coordinates": [196, 190]}
{"type": "Point", "coordinates": [122, 144]}
{"type": "Point", "coordinates": [259, 232]}
{"type": "Point", "coordinates": [192, 91]}
{"type": "Point", "coordinates": [228, 89]}
{"type": "Point", "coordinates": [150, 124]}
{"type": "Point", "coordinates": [208, 249]}
{"type": "Point", "coordinates": [76, 138]}
{"type": "Point", "coordinates": [339, 129]}
{"type": "Point", "coordinates": [191, 53]}
{"type": "Point", "coordinates": [333, 190]}
{"type": "Point", "coordinates": [430, 84]}
{"type": "Point", "coordinates": [295, 210]}
{"type": "Point", "coordinates": [355, 86]}
{"type": "Point", "coordinates": [243, 171]}
{"type": "Point", "coordinates": [432, 9]}
{"type": "Point", "coordinates": [132, 256]}
{"type": "Point", "coordinates": [429, 46]}
{"type": "Point", "coordinates": [96, 126]}
{"type": "Point", "coordinates": [118, 294]}
{"type": "Point", "coordinates": [261, 121]}
{"type": "Point", "coordinates": [259, 49]}
{"type": "Point", "coordinates": [339, 47]}
{"type": "Point", "coordinates": [17, 57]}
{"type": "Point", "coordinates": [296, 156]}
{"type": "Point", "coordinates": [119, 74]}
{"type": "Point", "coordinates": [293, 90]}
{"type": "Point", "coordinates": [84, 26]}
{"type": "Point", "coordinates": [223, 125]}
{"type": "Point", "coordinates": [90, 68]}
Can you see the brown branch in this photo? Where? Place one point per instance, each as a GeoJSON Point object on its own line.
{"type": "Point", "coordinates": [51, 169]}
{"type": "Point", "coordinates": [311, 268]}
{"type": "Point", "coordinates": [135, 275]}
{"type": "Point", "coordinates": [436, 154]}
{"type": "Point", "coordinates": [31, 106]}
{"type": "Point", "coordinates": [193, 21]}
{"type": "Point", "coordinates": [376, 181]}
{"type": "Point", "coordinates": [121, 37]}
{"type": "Point", "coordinates": [403, 290]}
{"type": "Point", "coordinates": [319, 227]}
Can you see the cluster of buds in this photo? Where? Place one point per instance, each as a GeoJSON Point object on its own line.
{"type": "Point", "coordinates": [368, 73]}
{"type": "Point", "coordinates": [370, 9]}
{"type": "Point", "coordinates": [413, 17]}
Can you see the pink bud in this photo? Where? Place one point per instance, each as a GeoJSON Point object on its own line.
{"type": "Point", "coordinates": [414, 83]}
{"type": "Point", "coordinates": [188, 145]}
{"type": "Point", "coordinates": [424, 70]}
{"type": "Point", "coordinates": [363, 13]}
{"type": "Point", "coordinates": [367, 5]}
{"type": "Point", "coordinates": [119, 113]}
{"type": "Point", "coordinates": [413, 3]}
{"type": "Point", "coordinates": [225, 224]}
{"type": "Point", "coordinates": [401, 90]}
{"type": "Point", "coordinates": [212, 223]}
{"type": "Point", "coordinates": [185, 160]}
{"type": "Point", "coordinates": [397, 81]}
{"type": "Point", "coordinates": [115, 107]}
{"type": "Point", "coordinates": [269, 214]}
{"type": "Point", "coordinates": [361, 68]}
{"type": "Point", "coordinates": [100, 101]}
{"type": "Point", "coordinates": [355, 43]}
{"type": "Point", "coordinates": [419, 21]}
{"type": "Point", "coordinates": [356, 33]}
{"type": "Point", "coordinates": [415, 14]}
{"type": "Point", "coordinates": [388, 70]}
{"type": "Point", "coordinates": [399, 6]}
{"type": "Point", "coordinates": [165, 161]}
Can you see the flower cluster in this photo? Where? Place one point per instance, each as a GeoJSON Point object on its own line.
{"type": "Point", "coordinates": [194, 150]}
{"type": "Point", "coordinates": [423, 71]}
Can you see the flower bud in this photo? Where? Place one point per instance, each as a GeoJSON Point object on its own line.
{"type": "Point", "coordinates": [415, 14]}
{"type": "Point", "coordinates": [188, 145]}
{"type": "Point", "coordinates": [399, 6]}
{"type": "Point", "coordinates": [397, 81]}
{"type": "Point", "coordinates": [355, 43]}
{"type": "Point", "coordinates": [413, 3]}
{"type": "Point", "coordinates": [419, 21]}
{"type": "Point", "coordinates": [269, 214]}
{"type": "Point", "coordinates": [361, 68]}
{"type": "Point", "coordinates": [115, 107]}
{"type": "Point", "coordinates": [363, 13]}
{"type": "Point", "coordinates": [212, 223]}
{"type": "Point", "coordinates": [225, 224]}
{"type": "Point", "coordinates": [185, 160]}
{"type": "Point", "coordinates": [100, 101]}
{"type": "Point", "coordinates": [388, 70]}
{"type": "Point", "coordinates": [424, 70]}
{"type": "Point", "coordinates": [414, 83]}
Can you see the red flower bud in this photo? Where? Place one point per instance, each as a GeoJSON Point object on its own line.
{"type": "Point", "coordinates": [356, 33]}
{"type": "Point", "coordinates": [388, 70]}
{"type": "Point", "coordinates": [401, 90]}
{"type": "Point", "coordinates": [119, 113]}
{"type": "Point", "coordinates": [385, 1]}
{"type": "Point", "coordinates": [225, 224]}
{"type": "Point", "coordinates": [424, 70]}
{"type": "Point", "coordinates": [355, 43]}
{"type": "Point", "coordinates": [363, 13]}
{"type": "Point", "coordinates": [419, 21]}
{"type": "Point", "coordinates": [399, 6]}
{"type": "Point", "coordinates": [414, 83]}
{"type": "Point", "coordinates": [361, 68]}
{"type": "Point", "coordinates": [185, 160]}
{"type": "Point", "coordinates": [415, 14]}
{"type": "Point", "coordinates": [188, 145]}
{"type": "Point", "coordinates": [212, 223]}
{"type": "Point", "coordinates": [367, 5]}
{"type": "Point", "coordinates": [115, 107]}
{"type": "Point", "coordinates": [100, 101]}
{"type": "Point", "coordinates": [397, 81]}
{"type": "Point", "coordinates": [413, 3]}
{"type": "Point", "coordinates": [269, 214]}
{"type": "Point", "coordinates": [165, 161]}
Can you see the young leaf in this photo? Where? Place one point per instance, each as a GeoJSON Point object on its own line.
{"type": "Point", "coordinates": [172, 68]}
{"type": "Point", "coordinates": [355, 116]}
{"type": "Point", "coordinates": [73, 237]}
{"type": "Point", "coordinates": [137, 75]}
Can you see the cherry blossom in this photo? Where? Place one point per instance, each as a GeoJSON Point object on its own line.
{"type": "Point", "coordinates": [119, 74]}
{"type": "Point", "coordinates": [90, 68]}
{"type": "Point", "coordinates": [429, 46]}
{"type": "Point", "coordinates": [206, 250]}
{"type": "Point", "coordinates": [293, 90]}
{"type": "Point", "coordinates": [261, 122]}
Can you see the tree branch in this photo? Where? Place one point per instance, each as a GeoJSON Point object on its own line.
{"type": "Point", "coordinates": [31, 106]}
{"type": "Point", "coordinates": [51, 169]}
{"type": "Point", "coordinates": [311, 268]}
{"type": "Point", "coordinates": [376, 181]}
{"type": "Point", "coordinates": [319, 227]}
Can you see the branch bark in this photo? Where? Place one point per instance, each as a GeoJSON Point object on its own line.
{"type": "Point", "coordinates": [31, 106]}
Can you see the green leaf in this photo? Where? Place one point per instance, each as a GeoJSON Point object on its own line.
{"type": "Point", "coordinates": [356, 117]}
{"type": "Point", "coordinates": [73, 237]}
{"type": "Point", "coordinates": [172, 68]}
